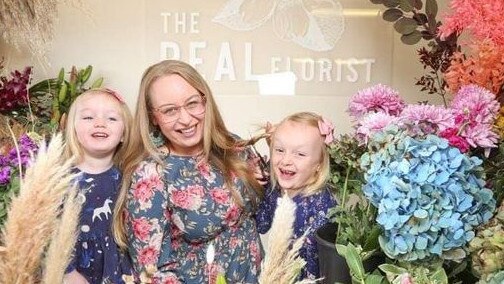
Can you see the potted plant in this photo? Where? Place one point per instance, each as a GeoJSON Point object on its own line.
{"type": "Point", "coordinates": [352, 220]}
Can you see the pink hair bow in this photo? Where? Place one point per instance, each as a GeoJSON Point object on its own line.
{"type": "Point", "coordinates": [115, 95]}
{"type": "Point", "coordinates": [326, 128]}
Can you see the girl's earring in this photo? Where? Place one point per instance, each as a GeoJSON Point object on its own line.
{"type": "Point", "coordinates": [157, 138]}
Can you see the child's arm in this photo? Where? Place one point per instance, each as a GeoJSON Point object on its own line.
{"type": "Point", "coordinates": [74, 277]}
{"type": "Point", "coordinates": [147, 223]}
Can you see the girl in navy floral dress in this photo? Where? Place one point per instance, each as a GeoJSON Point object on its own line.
{"type": "Point", "coordinates": [98, 123]}
{"type": "Point", "coordinates": [190, 197]}
{"type": "Point", "coordinates": [300, 168]}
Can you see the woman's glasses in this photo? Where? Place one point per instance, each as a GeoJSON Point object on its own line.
{"type": "Point", "coordinates": [195, 105]}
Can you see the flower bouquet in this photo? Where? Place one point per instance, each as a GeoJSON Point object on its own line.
{"type": "Point", "coordinates": [435, 173]}
{"type": "Point", "coordinates": [27, 115]}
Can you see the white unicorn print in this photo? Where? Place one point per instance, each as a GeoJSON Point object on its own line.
{"type": "Point", "coordinates": [105, 209]}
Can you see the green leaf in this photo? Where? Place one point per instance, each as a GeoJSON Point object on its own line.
{"type": "Point", "coordinates": [373, 279]}
{"type": "Point", "coordinates": [62, 93]}
{"type": "Point", "coordinates": [61, 76]}
{"type": "Point", "coordinates": [354, 262]}
{"type": "Point", "coordinates": [342, 249]}
{"type": "Point", "coordinates": [392, 14]}
{"type": "Point", "coordinates": [391, 3]}
{"type": "Point", "coordinates": [86, 74]}
{"type": "Point", "coordinates": [372, 239]}
{"type": "Point", "coordinates": [405, 25]}
{"type": "Point", "coordinates": [405, 5]}
{"type": "Point", "coordinates": [97, 83]}
{"type": "Point", "coordinates": [392, 269]}
{"type": "Point", "coordinates": [431, 8]}
{"type": "Point", "coordinates": [417, 4]}
{"type": "Point", "coordinates": [377, 1]}
{"type": "Point", "coordinates": [420, 18]}
{"type": "Point", "coordinates": [412, 38]}
{"type": "Point", "coordinates": [439, 276]}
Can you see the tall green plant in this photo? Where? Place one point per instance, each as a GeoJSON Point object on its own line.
{"type": "Point", "coordinates": [50, 99]}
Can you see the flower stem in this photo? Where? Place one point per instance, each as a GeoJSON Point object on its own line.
{"type": "Point", "coordinates": [343, 197]}
{"type": "Point", "coordinates": [14, 139]}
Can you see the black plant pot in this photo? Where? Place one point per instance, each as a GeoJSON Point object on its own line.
{"type": "Point", "coordinates": [332, 266]}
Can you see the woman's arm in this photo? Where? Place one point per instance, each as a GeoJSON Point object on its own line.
{"type": "Point", "coordinates": [147, 222]}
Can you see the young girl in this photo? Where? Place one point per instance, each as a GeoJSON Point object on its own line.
{"type": "Point", "coordinates": [300, 168]}
{"type": "Point", "coordinates": [97, 127]}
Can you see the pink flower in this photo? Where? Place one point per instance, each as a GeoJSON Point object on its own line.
{"type": "Point", "coordinates": [455, 140]}
{"type": "Point", "coordinates": [430, 118]}
{"type": "Point", "coordinates": [189, 198]}
{"type": "Point", "coordinates": [181, 198]}
{"type": "Point", "coordinates": [482, 18]}
{"type": "Point", "coordinates": [170, 279]}
{"type": "Point", "coordinates": [142, 190]}
{"type": "Point", "coordinates": [475, 109]}
{"type": "Point", "coordinates": [148, 255]}
{"type": "Point", "coordinates": [476, 101]}
{"type": "Point", "coordinates": [195, 190]}
{"type": "Point", "coordinates": [219, 195]}
{"type": "Point", "coordinates": [232, 215]}
{"type": "Point", "coordinates": [372, 123]}
{"type": "Point", "coordinates": [141, 228]}
{"type": "Point", "coordinates": [379, 98]}
{"type": "Point", "coordinates": [406, 278]}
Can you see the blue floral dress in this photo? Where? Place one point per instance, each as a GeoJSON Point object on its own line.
{"type": "Point", "coordinates": [179, 212]}
{"type": "Point", "coordinates": [310, 215]}
{"type": "Point", "coordinates": [96, 255]}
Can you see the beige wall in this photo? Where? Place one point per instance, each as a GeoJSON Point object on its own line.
{"type": "Point", "coordinates": [121, 38]}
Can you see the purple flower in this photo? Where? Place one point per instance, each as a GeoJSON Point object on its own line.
{"type": "Point", "coordinates": [5, 173]}
{"type": "Point", "coordinates": [379, 98]}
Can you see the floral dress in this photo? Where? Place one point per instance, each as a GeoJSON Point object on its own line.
{"type": "Point", "coordinates": [179, 213]}
{"type": "Point", "coordinates": [310, 215]}
{"type": "Point", "coordinates": [96, 255]}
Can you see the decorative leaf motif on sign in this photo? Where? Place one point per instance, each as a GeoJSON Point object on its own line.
{"type": "Point", "coordinates": [316, 24]}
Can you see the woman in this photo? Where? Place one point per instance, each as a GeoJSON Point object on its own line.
{"type": "Point", "coordinates": [189, 199]}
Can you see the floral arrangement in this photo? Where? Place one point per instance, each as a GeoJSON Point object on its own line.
{"type": "Point", "coordinates": [429, 190]}
{"type": "Point", "coordinates": [29, 113]}
{"type": "Point", "coordinates": [433, 173]}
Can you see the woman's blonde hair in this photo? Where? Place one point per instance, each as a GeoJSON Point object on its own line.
{"type": "Point", "coordinates": [317, 182]}
{"type": "Point", "coordinates": [219, 145]}
{"type": "Point", "coordinates": [72, 145]}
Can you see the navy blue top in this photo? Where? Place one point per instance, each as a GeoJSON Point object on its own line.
{"type": "Point", "coordinates": [96, 255]}
{"type": "Point", "coordinates": [310, 215]}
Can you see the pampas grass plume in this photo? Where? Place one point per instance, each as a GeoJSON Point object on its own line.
{"type": "Point", "coordinates": [281, 264]}
{"type": "Point", "coordinates": [34, 215]}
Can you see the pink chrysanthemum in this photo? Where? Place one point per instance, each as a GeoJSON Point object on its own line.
{"type": "Point", "coordinates": [476, 103]}
{"type": "Point", "coordinates": [480, 135]}
{"type": "Point", "coordinates": [372, 123]}
{"type": "Point", "coordinates": [379, 98]}
{"type": "Point", "coordinates": [430, 118]}
{"type": "Point", "coordinates": [475, 109]}
{"type": "Point", "coordinates": [482, 18]}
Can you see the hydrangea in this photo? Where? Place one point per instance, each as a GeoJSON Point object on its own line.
{"type": "Point", "coordinates": [430, 197]}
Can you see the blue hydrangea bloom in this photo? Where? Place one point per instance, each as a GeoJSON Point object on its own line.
{"type": "Point", "coordinates": [430, 196]}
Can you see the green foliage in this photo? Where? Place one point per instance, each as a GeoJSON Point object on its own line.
{"type": "Point", "coordinates": [6, 194]}
{"type": "Point", "coordinates": [354, 215]}
{"type": "Point", "coordinates": [354, 260]}
{"type": "Point", "coordinates": [425, 273]}
{"type": "Point", "coordinates": [50, 99]}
